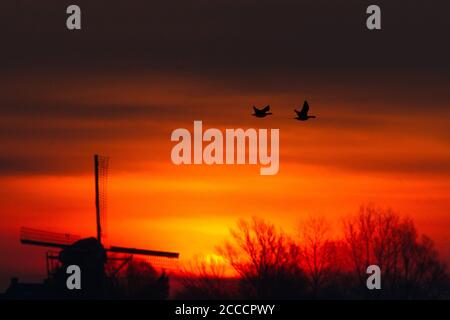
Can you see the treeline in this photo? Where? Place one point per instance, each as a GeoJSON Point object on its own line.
{"type": "Point", "coordinates": [313, 265]}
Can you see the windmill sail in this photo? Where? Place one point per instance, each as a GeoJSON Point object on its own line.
{"type": "Point", "coordinates": [101, 184]}
{"type": "Point", "coordinates": [144, 252]}
{"type": "Point", "coordinates": [47, 238]}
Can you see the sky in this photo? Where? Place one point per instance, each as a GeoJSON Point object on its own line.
{"type": "Point", "coordinates": [140, 69]}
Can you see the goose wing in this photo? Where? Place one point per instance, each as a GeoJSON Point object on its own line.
{"type": "Point", "coordinates": [266, 109]}
{"type": "Point", "coordinates": [305, 109]}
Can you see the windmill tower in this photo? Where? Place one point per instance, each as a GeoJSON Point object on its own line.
{"type": "Point", "coordinates": [63, 241]}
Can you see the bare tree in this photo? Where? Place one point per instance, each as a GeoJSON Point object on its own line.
{"type": "Point", "coordinates": [204, 278]}
{"type": "Point", "coordinates": [139, 280]}
{"type": "Point", "coordinates": [410, 265]}
{"type": "Point", "coordinates": [265, 258]}
{"type": "Point", "coordinates": [318, 254]}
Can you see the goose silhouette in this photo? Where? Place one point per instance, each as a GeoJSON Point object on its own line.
{"type": "Point", "coordinates": [261, 113]}
{"type": "Point", "coordinates": [303, 114]}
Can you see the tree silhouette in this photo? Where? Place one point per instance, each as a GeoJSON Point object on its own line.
{"type": "Point", "coordinates": [140, 280]}
{"type": "Point", "coordinates": [318, 255]}
{"type": "Point", "coordinates": [410, 264]}
{"type": "Point", "coordinates": [272, 265]}
{"type": "Point", "coordinates": [205, 279]}
{"type": "Point", "coordinates": [265, 259]}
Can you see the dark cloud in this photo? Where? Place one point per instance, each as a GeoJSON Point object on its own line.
{"type": "Point", "coordinates": [247, 46]}
{"type": "Point", "coordinates": [277, 50]}
{"type": "Point", "coordinates": [65, 163]}
{"type": "Point", "coordinates": [228, 37]}
{"type": "Point", "coordinates": [405, 165]}
{"type": "Point", "coordinates": [84, 110]}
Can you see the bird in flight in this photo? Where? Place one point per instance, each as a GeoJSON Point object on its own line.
{"type": "Point", "coordinates": [303, 114]}
{"type": "Point", "coordinates": [261, 113]}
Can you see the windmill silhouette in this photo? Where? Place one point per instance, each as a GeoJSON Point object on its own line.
{"type": "Point", "coordinates": [66, 241]}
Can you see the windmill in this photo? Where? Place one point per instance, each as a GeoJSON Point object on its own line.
{"type": "Point", "coordinates": [63, 241]}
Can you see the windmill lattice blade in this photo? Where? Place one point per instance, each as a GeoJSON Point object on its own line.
{"type": "Point", "coordinates": [144, 252]}
{"type": "Point", "coordinates": [46, 238]}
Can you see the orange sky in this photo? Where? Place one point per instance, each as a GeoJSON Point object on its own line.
{"type": "Point", "coordinates": [364, 147]}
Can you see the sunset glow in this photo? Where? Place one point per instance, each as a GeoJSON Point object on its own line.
{"type": "Point", "coordinates": [381, 135]}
